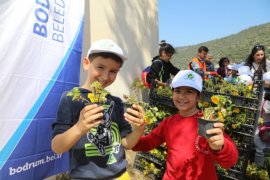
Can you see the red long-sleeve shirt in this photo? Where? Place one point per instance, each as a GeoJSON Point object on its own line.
{"type": "Point", "coordinates": [189, 155]}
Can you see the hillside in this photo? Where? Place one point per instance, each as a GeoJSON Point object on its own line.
{"type": "Point", "coordinates": [236, 46]}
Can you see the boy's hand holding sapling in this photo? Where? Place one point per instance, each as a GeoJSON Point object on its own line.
{"type": "Point", "coordinates": [92, 114]}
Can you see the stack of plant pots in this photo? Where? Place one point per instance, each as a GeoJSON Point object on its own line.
{"type": "Point", "coordinates": [158, 99]}
{"type": "Point", "coordinates": [242, 135]}
{"type": "Point", "coordinates": [151, 163]}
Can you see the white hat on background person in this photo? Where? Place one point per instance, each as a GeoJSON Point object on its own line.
{"type": "Point", "coordinates": [106, 45]}
{"type": "Point", "coordinates": [187, 78]}
{"type": "Point", "coordinates": [241, 64]}
{"type": "Point", "coordinates": [233, 67]}
{"type": "Point", "coordinates": [244, 70]}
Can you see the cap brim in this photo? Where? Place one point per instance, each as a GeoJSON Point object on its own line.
{"type": "Point", "coordinates": [186, 84]}
{"type": "Point", "coordinates": [100, 51]}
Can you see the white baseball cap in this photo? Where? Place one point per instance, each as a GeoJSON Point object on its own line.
{"type": "Point", "coordinates": [244, 70]}
{"type": "Point", "coordinates": [187, 78]}
{"type": "Point", "coordinates": [106, 45]}
{"type": "Point", "coordinates": [233, 67]}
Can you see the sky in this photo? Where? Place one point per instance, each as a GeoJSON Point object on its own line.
{"type": "Point", "coordinates": [189, 22]}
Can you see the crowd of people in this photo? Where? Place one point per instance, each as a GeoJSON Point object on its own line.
{"type": "Point", "coordinates": [162, 70]}
{"type": "Point", "coordinates": [244, 72]}
{"type": "Point", "coordinates": [96, 153]}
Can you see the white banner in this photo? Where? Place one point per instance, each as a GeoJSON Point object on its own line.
{"type": "Point", "coordinates": [41, 45]}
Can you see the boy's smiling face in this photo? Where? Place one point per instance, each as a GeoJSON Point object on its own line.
{"type": "Point", "coordinates": [185, 99]}
{"type": "Point", "coordinates": [103, 70]}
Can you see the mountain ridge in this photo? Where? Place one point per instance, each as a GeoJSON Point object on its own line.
{"type": "Point", "coordinates": [236, 46]}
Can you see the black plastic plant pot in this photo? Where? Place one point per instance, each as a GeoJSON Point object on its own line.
{"type": "Point", "coordinates": [126, 106]}
{"type": "Point", "coordinates": [205, 125]}
{"type": "Point", "coordinates": [104, 104]}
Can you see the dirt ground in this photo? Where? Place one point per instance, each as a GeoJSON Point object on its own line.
{"type": "Point", "coordinates": [134, 173]}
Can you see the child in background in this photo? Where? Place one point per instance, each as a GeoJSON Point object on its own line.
{"type": "Point", "coordinates": [232, 72]}
{"type": "Point", "coordinates": [190, 156]}
{"type": "Point", "coordinates": [223, 67]}
{"type": "Point", "coordinates": [162, 68]}
{"type": "Point", "coordinates": [96, 148]}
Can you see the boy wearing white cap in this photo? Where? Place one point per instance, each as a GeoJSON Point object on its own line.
{"type": "Point", "coordinates": [97, 149]}
{"type": "Point", "coordinates": [190, 156]}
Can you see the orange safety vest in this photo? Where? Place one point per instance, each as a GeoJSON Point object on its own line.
{"type": "Point", "coordinates": [201, 64]}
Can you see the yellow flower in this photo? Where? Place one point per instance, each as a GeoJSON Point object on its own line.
{"type": "Point", "coordinates": [147, 120]}
{"type": "Point", "coordinates": [236, 110]}
{"type": "Point", "coordinates": [165, 152]}
{"type": "Point", "coordinates": [220, 116]}
{"type": "Point", "coordinates": [234, 126]}
{"type": "Point", "coordinates": [92, 97]}
{"type": "Point", "coordinates": [205, 104]}
{"type": "Point", "coordinates": [215, 99]}
{"type": "Point", "coordinates": [249, 87]}
{"type": "Point", "coordinates": [260, 121]}
{"type": "Point", "coordinates": [235, 93]}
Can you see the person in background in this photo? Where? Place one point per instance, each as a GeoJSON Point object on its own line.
{"type": "Point", "coordinates": [257, 62]}
{"type": "Point", "coordinates": [232, 74]}
{"type": "Point", "coordinates": [209, 64]}
{"type": "Point", "coordinates": [198, 63]}
{"type": "Point", "coordinates": [190, 156]}
{"type": "Point", "coordinates": [223, 67]}
{"type": "Point", "coordinates": [262, 138]}
{"type": "Point", "coordinates": [161, 68]}
{"type": "Point", "coordinates": [210, 67]}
